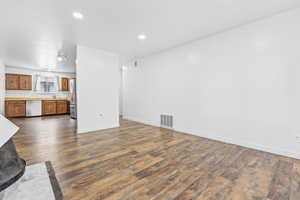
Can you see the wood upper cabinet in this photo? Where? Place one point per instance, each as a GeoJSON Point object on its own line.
{"type": "Point", "coordinates": [15, 108]}
{"type": "Point", "coordinates": [64, 84]}
{"type": "Point", "coordinates": [18, 82]}
{"type": "Point", "coordinates": [25, 82]}
{"type": "Point", "coordinates": [49, 108]}
{"type": "Point", "coordinates": [12, 81]}
{"type": "Point", "coordinates": [61, 107]}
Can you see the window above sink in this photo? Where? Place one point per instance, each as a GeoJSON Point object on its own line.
{"type": "Point", "coordinates": [47, 84]}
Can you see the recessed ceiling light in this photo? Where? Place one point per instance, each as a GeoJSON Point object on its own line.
{"type": "Point", "coordinates": [124, 67]}
{"type": "Point", "coordinates": [142, 36]}
{"type": "Point", "coordinates": [60, 58]}
{"type": "Point", "coordinates": [77, 15]}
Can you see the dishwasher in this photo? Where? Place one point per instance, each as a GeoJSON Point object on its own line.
{"type": "Point", "coordinates": [33, 108]}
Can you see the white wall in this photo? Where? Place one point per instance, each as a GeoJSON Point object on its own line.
{"type": "Point", "coordinates": [33, 72]}
{"type": "Point", "coordinates": [2, 87]}
{"type": "Point", "coordinates": [98, 83]}
{"type": "Point", "coordinates": [241, 86]}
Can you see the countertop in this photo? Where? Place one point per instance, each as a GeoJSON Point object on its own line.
{"type": "Point", "coordinates": [35, 99]}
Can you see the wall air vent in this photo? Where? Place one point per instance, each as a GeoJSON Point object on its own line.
{"type": "Point", "coordinates": [166, 121]}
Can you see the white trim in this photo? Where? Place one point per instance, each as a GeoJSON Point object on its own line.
{"type": "Point", "coordinates": [147, 122]}
{"type": "Point", "coordinates": [260, 147]}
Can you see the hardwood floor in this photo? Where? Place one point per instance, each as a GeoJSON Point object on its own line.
{"type": "Point", "coordinates": [140, 162]}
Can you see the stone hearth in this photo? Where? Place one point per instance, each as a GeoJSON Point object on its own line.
{"type": "Point", "coordinates": [12, 167]}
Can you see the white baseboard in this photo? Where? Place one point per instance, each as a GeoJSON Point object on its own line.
{"type": "Point", "coordinates": [94, 129]}
{"type": "Point", "coordinates": [260, 147]}
{"type": "Point", "coordinates": [148, 122]}
{"type": "Point", "coordinates": [239, 142]}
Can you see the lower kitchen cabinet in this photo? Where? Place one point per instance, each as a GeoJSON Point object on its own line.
{"type": "Point", "coordinates": [61, 107]}
{"type": "Point", "coordinates": [15, 108]}
{"type": "Point", "coordinates": [49, 108]}
{"type": "Point", "coordinates": [55, 107]}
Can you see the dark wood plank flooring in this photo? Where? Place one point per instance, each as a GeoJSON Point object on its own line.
{"type": "Point", "coordinates": [138, 161]}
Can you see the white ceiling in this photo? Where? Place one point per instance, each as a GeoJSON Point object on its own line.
{"type": "Point", "coordinates": [32, 31]}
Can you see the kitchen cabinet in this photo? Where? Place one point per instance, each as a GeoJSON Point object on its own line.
{"type": "Point", "coordinates": [61, 107]}
{"type": "Point", "coordinates": [18, 82]}
{"type": "Point", "coordinates": [12, 81]}
{"type": "Point", "coordinates": [64, 84]}
{"type": "Point", "coordinates": [49, 108]}
{"type": "Point", "coordinates": [15, 108]}
{"type": "Point", "coordinates": [35, 107]}
{"type": "Point", "coordinates": [25, 82]}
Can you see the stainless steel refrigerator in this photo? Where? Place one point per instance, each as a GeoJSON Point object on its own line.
{"type": "Point", "coordinates": [73, 100]}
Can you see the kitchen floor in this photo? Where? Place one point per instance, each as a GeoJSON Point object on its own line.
{"type": "Point", "coordinates": [138, 161]}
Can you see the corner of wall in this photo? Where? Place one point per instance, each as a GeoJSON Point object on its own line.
{"type": "Point", "coordinates": [2, 87]}
{"type": "Point", "coordinates": [97, 89]}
